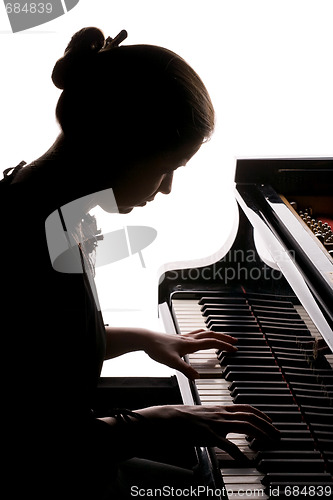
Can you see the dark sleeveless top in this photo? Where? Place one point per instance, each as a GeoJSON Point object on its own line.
{"type": "Point", "coordinates": [52, 350]}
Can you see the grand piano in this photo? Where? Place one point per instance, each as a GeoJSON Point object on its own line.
{"type": "Point", "coordinates": [273, 290]}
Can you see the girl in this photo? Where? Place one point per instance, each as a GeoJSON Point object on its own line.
{"type": "Point", "coordinates": [129, 117]}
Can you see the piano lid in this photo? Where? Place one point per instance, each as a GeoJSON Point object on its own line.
{"type": "Point", "coordinates": [288, 175]}
{"type": "Point", "coordinates": [264, 188]}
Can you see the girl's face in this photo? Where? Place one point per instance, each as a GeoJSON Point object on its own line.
{"type": "Point", "coordinates": [148, 178]}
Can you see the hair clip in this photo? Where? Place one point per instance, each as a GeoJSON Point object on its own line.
{"type": "Point", "coordinates": [110, 43]}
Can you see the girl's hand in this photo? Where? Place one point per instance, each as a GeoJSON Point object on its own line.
{"type": "Point", "coordinates": [166, 348]}
{"type": "Point", "coordinates": [166, 427]}
{"type": "Point", "coordinates": [170, 348]}
{"type": "Point", "coordinates": [208, 425]}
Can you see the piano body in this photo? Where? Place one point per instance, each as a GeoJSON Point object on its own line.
{"type": "Point", "coordinates": [273, 290]}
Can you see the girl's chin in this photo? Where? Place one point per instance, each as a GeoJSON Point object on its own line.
{"type": "Point", "coordinates": [125, 210]}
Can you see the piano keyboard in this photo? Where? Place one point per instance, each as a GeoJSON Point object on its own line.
{"type": "Point", "coordinates": [274, 369]}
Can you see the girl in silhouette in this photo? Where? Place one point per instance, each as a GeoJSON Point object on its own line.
{"type": "Point", "coordinates": [129, 117]}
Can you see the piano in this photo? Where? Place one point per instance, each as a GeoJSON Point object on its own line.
{"type": "Point", "coordinates": [273, 290]}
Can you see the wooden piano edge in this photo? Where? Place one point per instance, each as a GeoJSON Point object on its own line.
{"type": "Point", "coordinates": [209, 471]}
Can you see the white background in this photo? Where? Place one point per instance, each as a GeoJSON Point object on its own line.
{"type": "Point", "coordinates": [268, 67]}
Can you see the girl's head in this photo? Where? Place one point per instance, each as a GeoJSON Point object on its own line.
{"type": "Point", "coordinates": [138, 101]}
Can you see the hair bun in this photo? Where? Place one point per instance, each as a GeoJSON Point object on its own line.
{"type": "Point", "coordinates": [84, 44]}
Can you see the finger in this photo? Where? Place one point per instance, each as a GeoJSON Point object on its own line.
{"type": "Point", "coordinates": [185, 368]}
{"type": "Point", "coordinates": [200, 334]}
{"type": "Point", "coordinates": [247, 409]}
{"type": "Point", "coordinates": [256, 429]}
{"type": "Point", "coordinates": [252, 425]}
{"type": "Point", "coordinates": [232, 450]}
{"type": "Point", "coordinates": [195, 331]}
{"type": "Point", "coordinates": [202, 344]}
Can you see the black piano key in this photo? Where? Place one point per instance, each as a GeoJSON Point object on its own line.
{"type": "Point", "coordinates": [267, 321]}
{"type": "Point", "coordinates": [222, 300]}
{"type": "Point", "coordinates": [322, 372]}
{"type": "Point", "coordinates": [279, 342]}
{"type": "Point", "coordinates": [309, 377]}
{"type": "Point", "coordinates": [261, 349]}
{"type": "Point", "coordinates": [304, 376]}
{"type": "Point", "coordinates": [297, 434]}
{"type": "Point", "coordinates": [285, 335]}
{"type": "Point", "coordinates": [236, 375]}
{"type": "Point", "coordinates": [255, 398]}
{"type": "Point", "coordinates": [320, 427]}
{"type": "Point", "coordinates": [290, 478]}
{"type": "Point", "coordinates": [327, 410]}
{"type": "Point", "coordinates": [322, 435]}
{"type": "Point", "coordinates": [260, 302]}
{"type": "Point", "coordinates": [330, 465]}
{"type": "Point", "coordinates": [286, 455]}
{"type": "Point", "coordinates": [236, 359]}
{"type": "Point", "coordinates": [295, 465]}
{"type": "Point", "coordinates": [264, 391]}
{"type": "Point", "coordinates": [230, 319]}
{"type": "Point", "coordinates": [242, 353]}
{"type": "Point", "coordinates": [279, 410]}
{"type": "Point", "coordinates": [291, 454]}
{"type": "Point", "coordinates": [297, 351]}
{"type": "Point", "coordinates": [271, 307]}
{"type": "Point", "coordinates": [253, 342]}
{"type": "Point", "coordinates": [224, 326]}
{"type": "Point", "coordinates": [211, 309]}
{"type": "Point", "coordinates": [284, 444]}
{"type": "Point", "coordinates": [313, 400]}
{"type": "Point", "coordinates": [286, 329]}
{"type": "Point", "coordinates": [295, 328]}
{"type": "Point", "coordinates": [291, 425]}
{"type": "Point", "coordinates": [265, 384]}
{"type": "Point", "coordinates": [290, 354]}
{"type": "Point", "coordinates": [287, 435]}
{"type": "Point", "coordinates": [233, 329]}
{"type": "Point", "coordinates": [319, 417]}
{"type": "Point", "coordinates": [324, 444]}
{"type": "Point", "coordinates": [298, 362]}
{"type": "Point", "coordinates": [242, 333]}
{"type": "Point", "coordinates": [313, 388]}
{"type": "Point", "coordinates": [275, 312]}
{"type": "Point", "coordinates": [248, 368]}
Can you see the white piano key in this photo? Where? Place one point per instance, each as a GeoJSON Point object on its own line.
{"type": "Point", "coordinates": [251, 472]}
{"type": "Point", "coordinates": [239, 479]}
